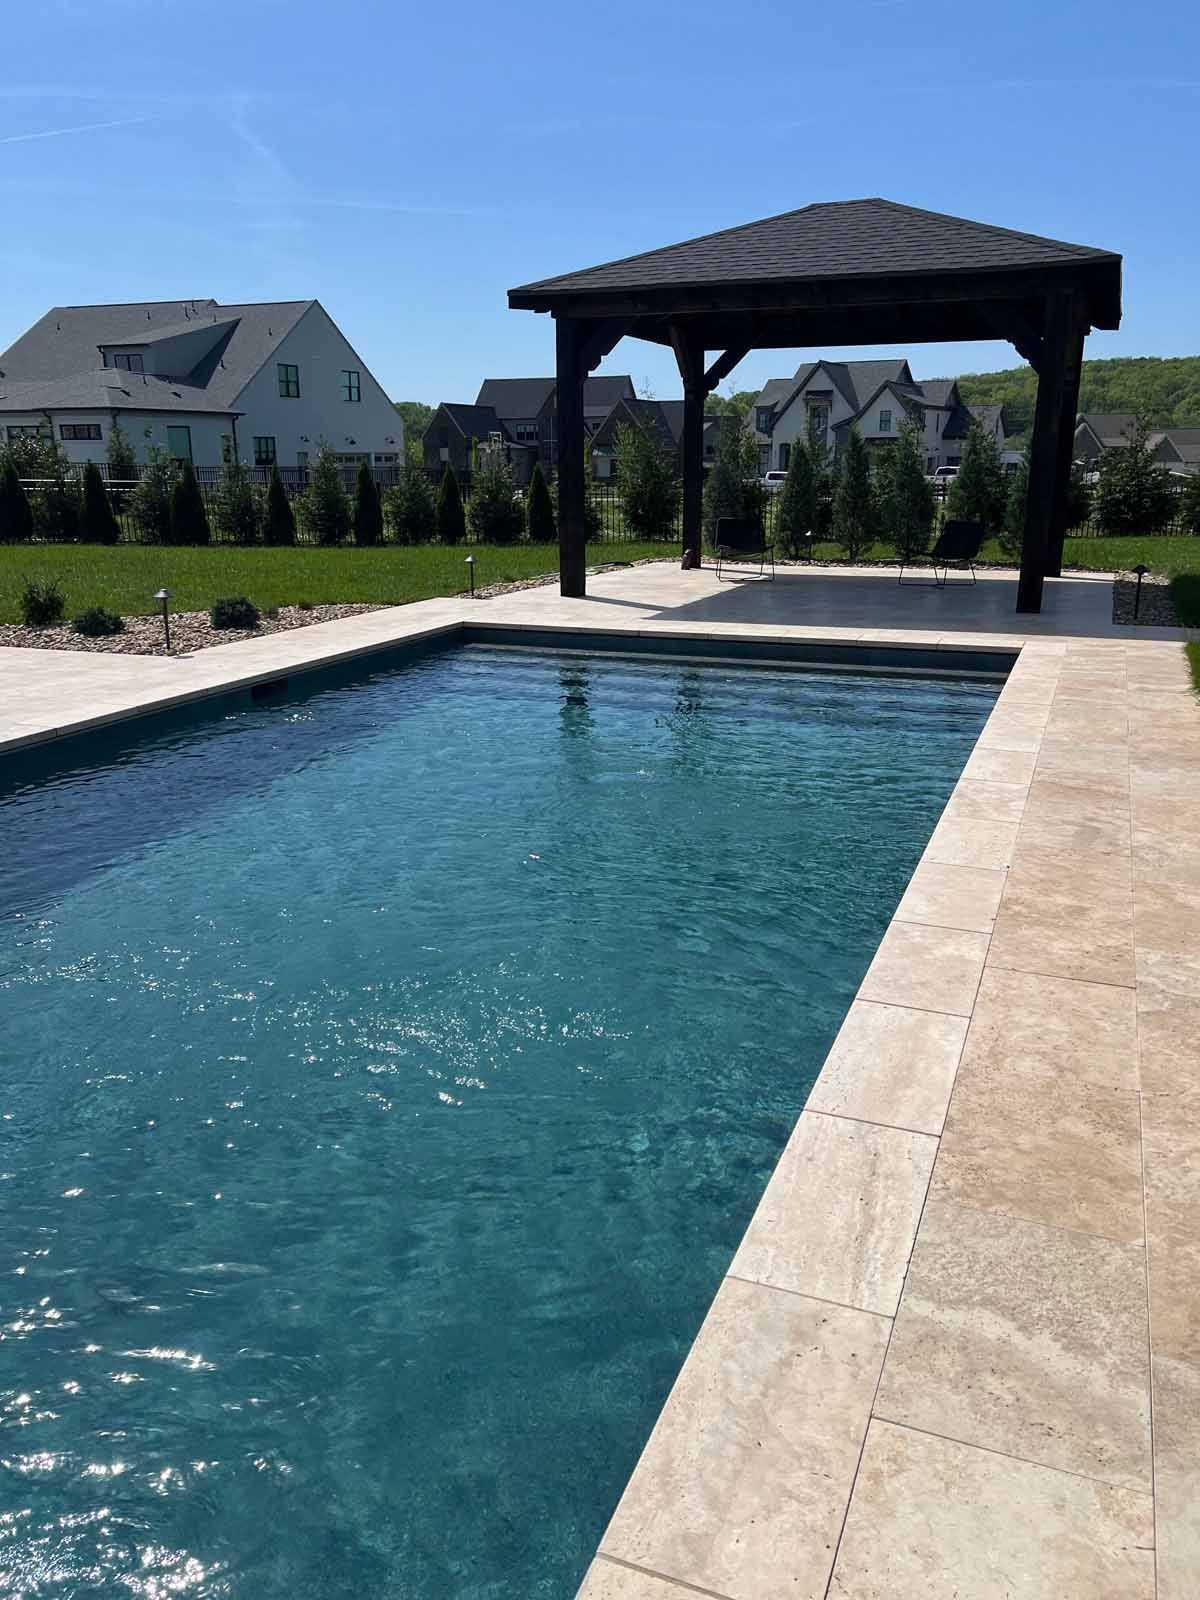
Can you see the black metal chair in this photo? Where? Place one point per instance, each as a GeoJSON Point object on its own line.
{"type": "Point", "coordinates": [958, 545]}
{"type": "Point", "coordinates": [742, 539]}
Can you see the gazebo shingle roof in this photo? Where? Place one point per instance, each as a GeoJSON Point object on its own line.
{"type": "Point", "coordinates": [847, 238]}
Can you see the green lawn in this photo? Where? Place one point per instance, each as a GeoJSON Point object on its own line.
{"type": "Point", "coordinates": [124, 577]}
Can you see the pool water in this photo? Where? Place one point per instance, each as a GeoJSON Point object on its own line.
{"type": "Point", "coordinates": [389, 1072]}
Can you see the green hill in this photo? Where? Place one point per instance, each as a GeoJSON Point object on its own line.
{"type": "Point", "coordinates": [1167, 388]}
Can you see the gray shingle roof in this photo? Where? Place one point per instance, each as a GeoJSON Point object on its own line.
{"type": "Point", "coordinates": [937, 391]}
{"type": "Point", "coordinates": [108, 389]}
{"type": "Point", "coordinates": [1110, 427]}
{"type": "Point", "coordinates": [516, 398]}
{"type": "Point", "coordinates": [64, 343]}
{"type": "Point", "coordinates": [474, 422]}
{"type": "Point", "coordinates": [848, 238]}
{"type": "Point", "coordinates": [1186, 441]}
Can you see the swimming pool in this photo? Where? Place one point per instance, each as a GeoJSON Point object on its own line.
{"type": "Point", "coordinates": [390, 1070]}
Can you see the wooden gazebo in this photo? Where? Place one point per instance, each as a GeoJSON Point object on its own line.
{"type": "Point", "coordinates": [845, 273]}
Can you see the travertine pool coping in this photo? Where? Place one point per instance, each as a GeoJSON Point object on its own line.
{"type": "Point", "coordinates": [957, 1353]}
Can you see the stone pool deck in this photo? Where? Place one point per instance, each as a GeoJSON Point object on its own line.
{"type": "Point", "coordinates": [957, 1354]}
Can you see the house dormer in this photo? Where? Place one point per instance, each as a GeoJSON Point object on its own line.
{"type": "Point", "coordinates": [171, 352]}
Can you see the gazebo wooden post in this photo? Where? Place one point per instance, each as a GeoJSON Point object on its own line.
{"type": "Point", "coordinates": [572, 530]}
{"type": "Point", "coordinates": [690, 362]}
{"type": "Point", "coordinates": [1044, 453]}
{"type": "Point", "coordinates": [1066, 447]}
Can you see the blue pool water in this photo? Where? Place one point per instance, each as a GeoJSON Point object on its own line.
{"type": "Point", "coordinates": [388, 1074]}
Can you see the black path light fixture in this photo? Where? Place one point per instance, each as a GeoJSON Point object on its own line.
{"type": "Point", "coordinates": [164, 598]}
{"type": "Point", "coordinates": [471, 571]}
{"type": "Point", "coordinates": [1140, 572]}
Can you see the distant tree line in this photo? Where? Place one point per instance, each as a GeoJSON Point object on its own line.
{"type": "Point", "coordinates": [1163, 389]}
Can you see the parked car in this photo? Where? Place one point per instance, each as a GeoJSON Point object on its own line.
{"type": "Point", "coordinates": [772, 482]}
{"type": "Point", "coordinates": [944, 475]}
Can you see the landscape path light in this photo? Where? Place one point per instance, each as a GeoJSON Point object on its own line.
{"type": "Point", "coordinates": [163, 597]}
{"type": "Point", "coordinates": [471, 570]}
{"type": "Point", "coordinates": [1141, 572]}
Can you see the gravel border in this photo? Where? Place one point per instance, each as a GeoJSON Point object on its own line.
{"type": "Point", "coordinates": [1157, 609]}
{"type": "Point", "coordinates": [190, 631]}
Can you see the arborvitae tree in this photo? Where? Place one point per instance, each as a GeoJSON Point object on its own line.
{"type": "Point", "coordinates": [122, 462]}
{"type": "Point", "coordinates": [853, 500]}
{"type": "Point", "coordinates": [409, 510]}
{"type": "Point", "coordinates": [796, 516]}
{"type": "Point", "coordinates": [732, 488]}
{"type": "Point", "coordinates": [279, 525]}
{"type": "Point", "coordinates": [150, 502]}
{"type": "Point", "coordinates": [56, 498]}
{"type": "Point", "coordinates": [542, 528]}
{"type": "Point", "coordinates": [496, 516]}
{"type": "Point", "coordinates": [649, 488]}
{"type": "Point", "coordinates": [451, 521]}
{"type": "Point", "coordinates": [189, 519]}
{"type": "Point", "coordinates": [1189, 505]}
{"type": "Point", "coordinates": [906, 498]}
{"type": "Point", "coordinates": [368, 512]}
{"type": "Point", "coordinates": [979, 492]}
{"type": "Point", "coordinates": [97, 524]}
{"type": "Point", "coordinates": [1012, 530]}
{"type": "Point", "coordinates": [324, 506]}
{"type": "Point", "coordinates": [1079, 497]}
{"type": "Point", "coordinates": [1134, 494]}
{"type": "Point", "coordinates": [235, 507]}
{"type": "Point", "coordinates": [16, 514]}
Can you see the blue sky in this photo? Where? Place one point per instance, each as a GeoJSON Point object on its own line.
{"type": "Point", "coordinates": [408, 164]}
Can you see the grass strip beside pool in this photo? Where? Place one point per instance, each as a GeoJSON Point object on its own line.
{"type": "Point", "coordinates": [124, 578]}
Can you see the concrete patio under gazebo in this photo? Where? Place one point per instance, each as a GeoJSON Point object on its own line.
{"type": "Point", "coordinates": [842, 273]}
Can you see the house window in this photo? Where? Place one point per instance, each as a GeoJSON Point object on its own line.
{"type": "Point", "coordinates": [79, 430]}
{"type": "Point", "coordinates": [937, 422]}
{"type": "Point", "coordinates": [28, 430]}
{"type": "Point", "coordinates": [764, 419]}
{"type": "Point", "coordinates": [818, 421]}
{"type": "Point", "coordinates": [264, 450]}
{"type": "Point", "coordinates": [785, 454]}
{"type": "Point", "coordinates": [351, 385]}
{"type": "Point", "coordinates": [526, 431]}
{"type": "Point", "coordinates": [289, 380]}
{"type": "Point", "coordinates": [129, 363]}
{"type": "Point", "coordinates": [227, 449]}
{"type": "Point", "coordinates": [764, 458]}
{"type": "Point", "coordinates": [885, 422]}
{"type": "Point", "coordinates": [179, 444]}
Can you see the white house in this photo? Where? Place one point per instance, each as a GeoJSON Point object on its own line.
{"type": "Point", "coordinates": [261, 384]}
{"type": "Point", "coordinates": [824, 399]}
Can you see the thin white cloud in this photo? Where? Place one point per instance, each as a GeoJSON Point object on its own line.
{"type": "Point", "coordinates": [82, 127]}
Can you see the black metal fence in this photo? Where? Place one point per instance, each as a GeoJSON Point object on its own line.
{"type": "Point", "coordinates": [607, 521]}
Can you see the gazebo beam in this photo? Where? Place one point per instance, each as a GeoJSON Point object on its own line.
{"type": "Point", "coordinates": [724, 365]}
